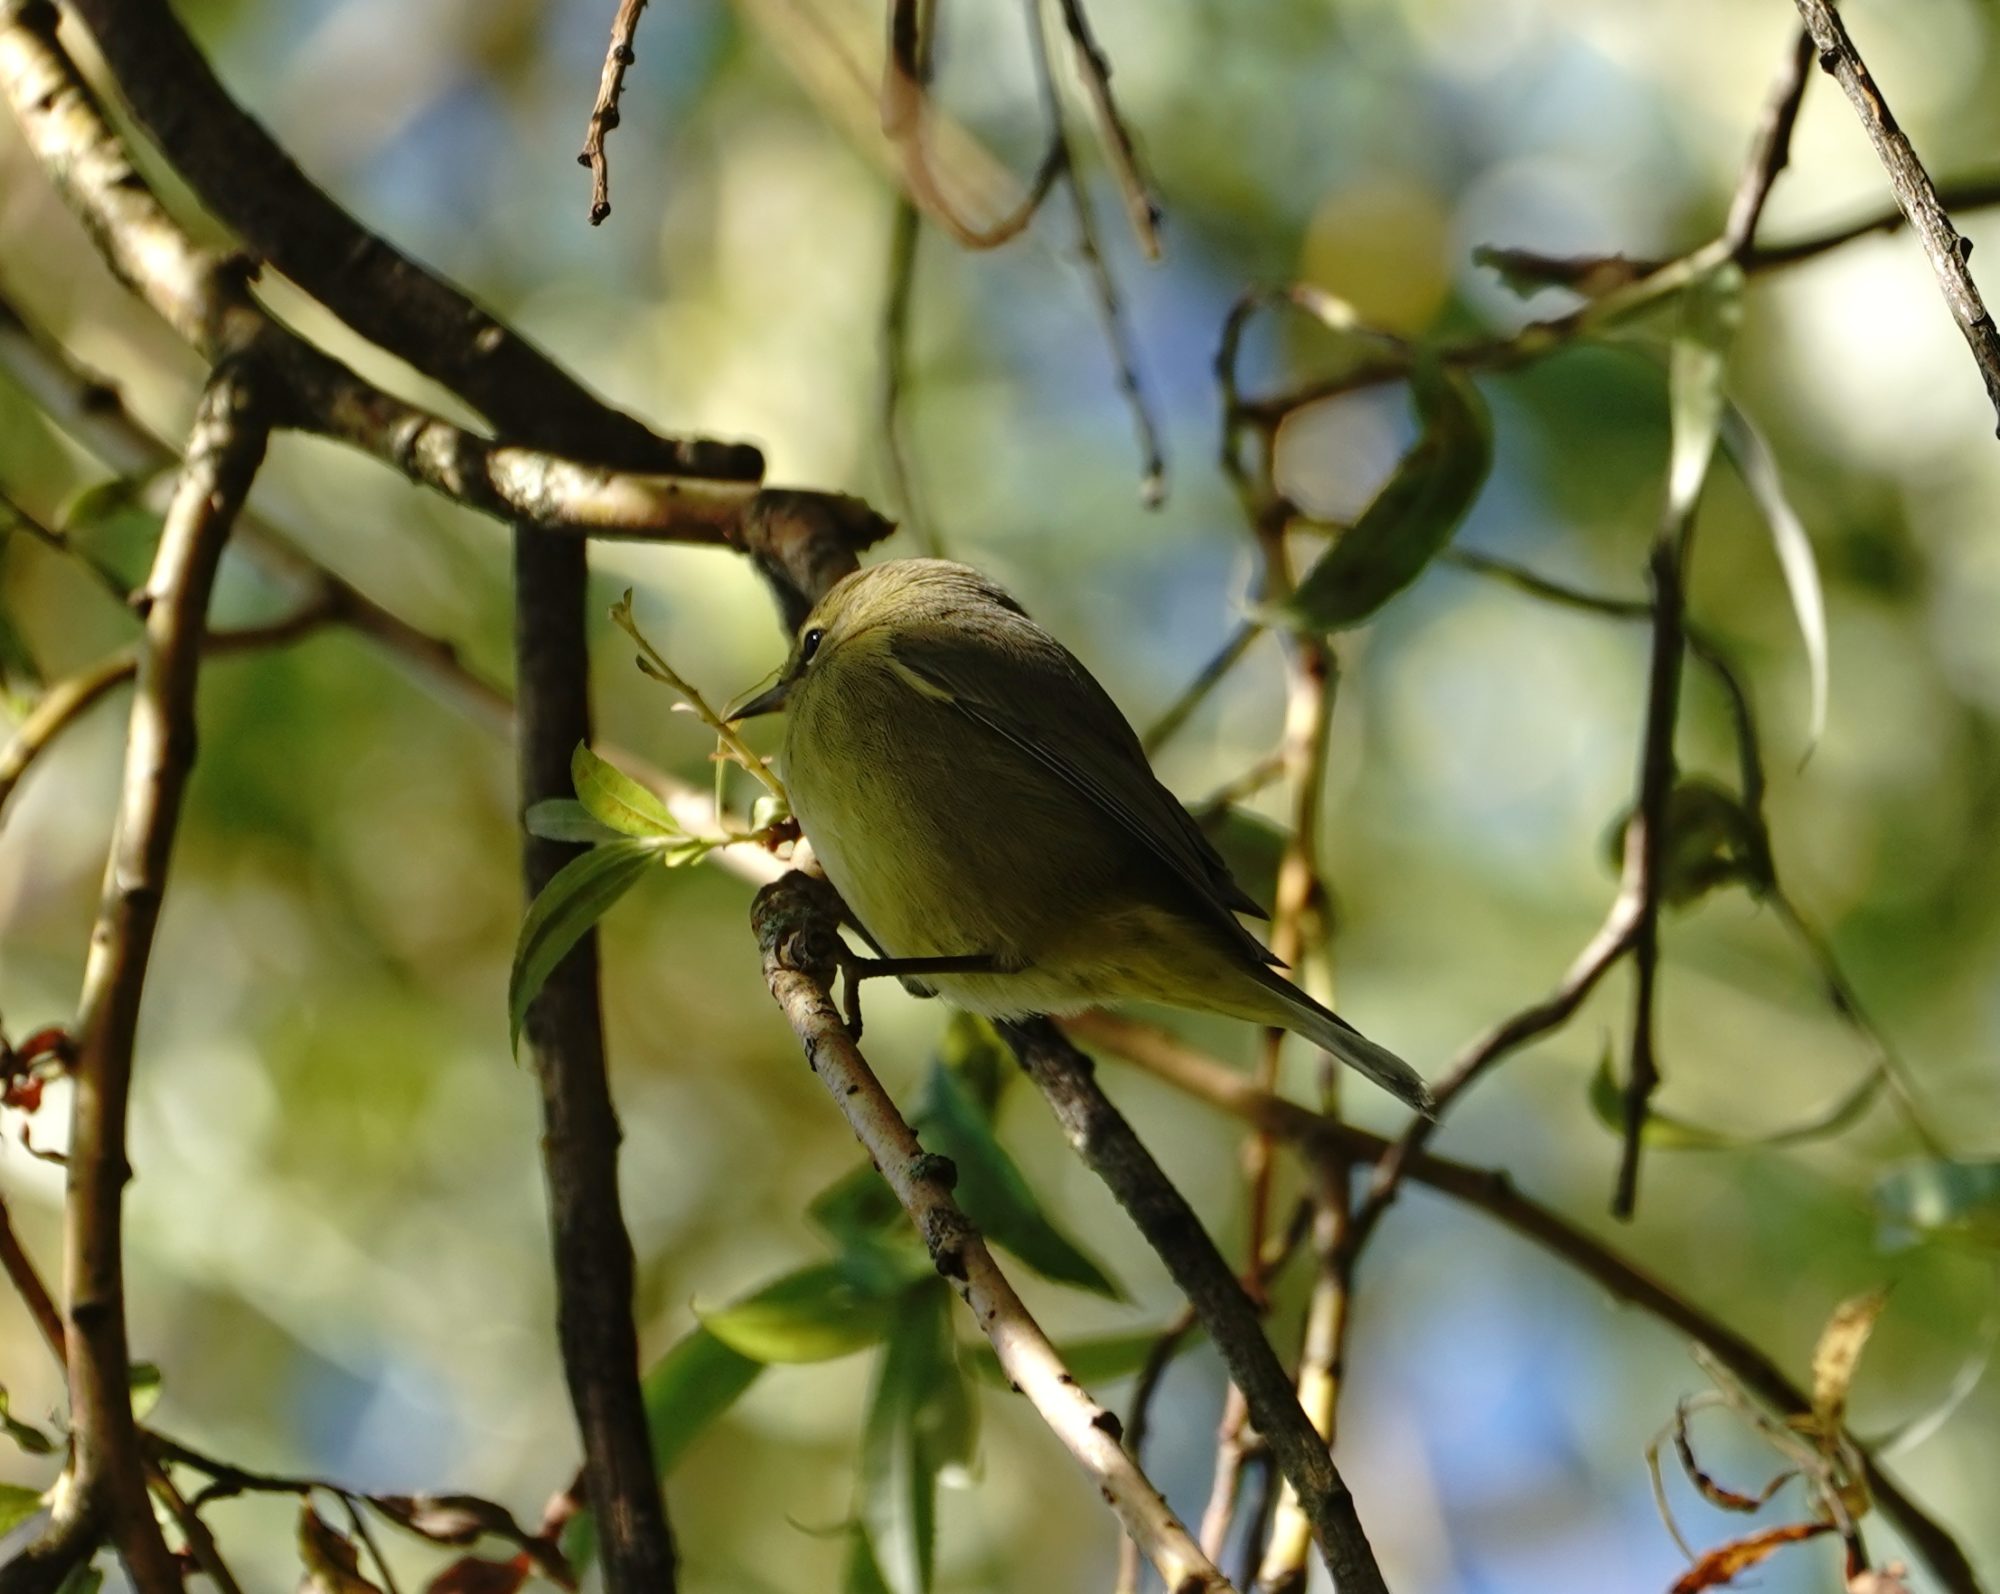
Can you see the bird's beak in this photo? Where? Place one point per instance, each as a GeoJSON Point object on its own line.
{"type": "Point", "coordinates": [768, 701]}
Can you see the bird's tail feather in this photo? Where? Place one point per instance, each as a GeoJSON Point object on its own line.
{"type": "Point", "coordinates": [1330, 1032]}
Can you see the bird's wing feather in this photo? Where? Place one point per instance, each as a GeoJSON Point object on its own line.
{"type": "Point", "coordinates": [1056, 712]}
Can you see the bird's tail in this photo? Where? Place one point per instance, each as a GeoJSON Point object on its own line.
{"type": "Point", "coordinates": [1327, 1030]}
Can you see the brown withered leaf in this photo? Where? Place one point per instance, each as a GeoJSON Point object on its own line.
{"type": "Point", "coordinates": [333, 1565]}
{"type": "Point", "coordinates": [1721, 1565]}
{"type": "Point", "coordinates": [1838, 1354]}
{"type": "Point", "coordinates": [471, 1575]}
{"type": "Point", "coordinates": [1711, 1490]}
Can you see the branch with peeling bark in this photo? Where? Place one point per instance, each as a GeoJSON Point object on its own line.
{"type": "Point", "coordinates": [796, 921]}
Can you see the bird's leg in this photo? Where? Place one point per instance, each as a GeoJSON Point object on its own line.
{"type": "Point", "coordinates": [858, 969]}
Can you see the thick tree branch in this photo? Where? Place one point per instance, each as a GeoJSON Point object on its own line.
{"type": "Point", "coordinates": [1915, 194]}
{"type": "Point", "coordinates": [1115, 1154]}
{"type": "Point", "coordinates": [797, 924]}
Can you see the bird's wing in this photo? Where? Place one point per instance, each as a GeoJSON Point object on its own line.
{"type": "Point", "coordinates": [1054, 711]}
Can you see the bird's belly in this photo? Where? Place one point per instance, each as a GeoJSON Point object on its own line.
{"type": "Point", "coordinates": [1019, 880]}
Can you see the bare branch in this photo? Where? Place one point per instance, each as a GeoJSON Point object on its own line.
{"type": "Point", "coordinates": [604, 114]}
{"type": "Point", "coordinates": [1115, 1154]}
{"type": "Point", "coordinates": [1141, 208]}
{"type": "Point", "coordinates": [68, 700]}
{"type": "Point", "coordinates": [1492, 1192]}
{"type": "Point", "coordinates": [1770, 150]}
{"type": "Point", "coordinates": [796, 920]}
{"type": "Point", "coordinates": [1946, 249]}
{"type": "Point", "coordinates": [224, 452]}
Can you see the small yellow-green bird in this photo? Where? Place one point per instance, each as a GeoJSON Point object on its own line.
{"type": "Point", "coordinates": [989, 817]}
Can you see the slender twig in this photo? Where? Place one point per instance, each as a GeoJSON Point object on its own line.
{"type": "Point", "coordinates": [1611, 942]}
{"type": "Point", "coordinates": [1141, 208]}
{"type": "Point", "coordinates": [796, 921]}
{"type": "Point", "coordinates": [1646, 837]}
{"type": "Point", "coordinates": [1115, 1154]}
{"type": "Point", "coordinates": [1915, 194]}
{"type": "Point", "coordinates": [1491, 1191]}
{"type": "Point", "coordinates": [1206, 680]}
{"type": "Point", "coordinates": [66, 701]}
{"type": "Point", "coordinates": [906, 115]}
{"type": "Point", "coordinates": [604, 113]}
{"type": "Point", "coordinates": [1124, 358]}
{"type": "Point", "coordinates": [224, 452]}
{"type": "Point", "coordinates": [905, 238]}
{"type": "Point", "coordinates": [1138, 1424]}
{"type": "Point", "coordinates": [60, 542]}
{"type": "Point", "coordinates": [1770, 149]}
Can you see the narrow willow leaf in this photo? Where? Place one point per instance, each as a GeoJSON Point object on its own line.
{"type": "Point", "coordinates": [1796, 559]}
{"type": "Point", "coordinates": [1607, 1103]}
{"type": "Point", "coordinates": [17, 1505]}
{"type": "Point", "coordinates": [1710, 311]}
{"type": "Point", "coordinates": [1940, 1199]}
{"type": "Point", "coordinates": [813, 1315]}
{"type": "Point", "coordinates": [862, 1575]}
{"type": "Point", "coordinates": [1412, 518]}
{"type": "Point", "coordinates": [581, 893]}
{"type": "Point", "coordinates": [614, 798]}
{"type": "Point", "coordinates": [566, 819]}
{"type": "Point", "coordinates": [145, 1382]}
{"type": "Point", "coordinates": [1101, 1359]}
{"type": "Point", "coordinates": [1837, 1356]}
{"type": "Point", "coordinates": [30, 1439]}
{"type": "Point", "coordinates": [995, 1195]}
{"type": "Point", "coordinates": [899, 1454]}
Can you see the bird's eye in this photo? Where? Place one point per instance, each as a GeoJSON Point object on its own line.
{"type": "Point", "coordinates": [809, 644]}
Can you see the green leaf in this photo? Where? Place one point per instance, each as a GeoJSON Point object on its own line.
{"type": "Point", "coordinates": [862, 1575]}
{"type": "Point", "coordinates": [1101, 1359]}
{"type": "Point", "coordinates": [684, 1391]}
{"type": "Point", "coordinates": [1664, 1130]}
{"type": "Point", "coordinates": [1940, 1199]}
{"type": "Point", "coordinates": [17, 1505]}
{"type": "Point", "coordinates": [1710, 310]}
{"type": "Point", "coordinates": [19, 671]}
{"type": "Point", "coordinates": [145, 1382]}
{"type": "Point", "coordinates": [973, 1053]}
{"type": "Point", "coordinates": [614, 798]}
{"type": "Point", "coordinates": [566, 819]}
{"type": "Point", "coordinates": [917, 1423]}
{"type": "Point", "coordinates": [813, 1315]}
{"type": "Point", "coordinates": [857, 1208]}
{"type": "Point", "coordinates": [1412, 518]}
{"type": "Point", "coordinates": [1794, 548]}
{"type": "Point", "coordinates": [581, 893]}
{"type": "Point", "coordinates": [86, 1579]}
{"type": "Point", "coordinates": [30, 1439]}
{"type": "Point", "coordinates": [1711, 840]}
{"type": "Point", "coordinates": [994, 1194]}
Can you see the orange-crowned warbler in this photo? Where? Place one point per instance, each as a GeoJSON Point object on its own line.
{"type": "Point", "coordinates": [990, 818]}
